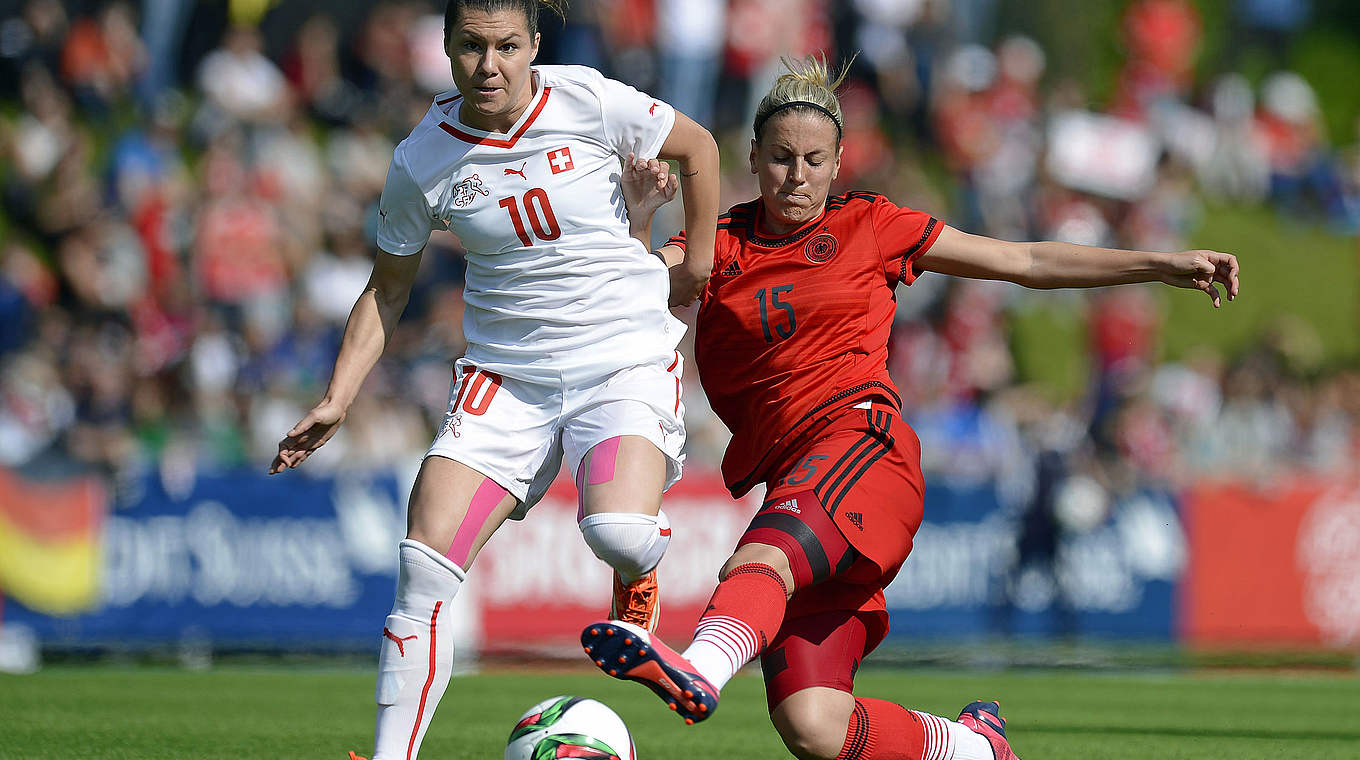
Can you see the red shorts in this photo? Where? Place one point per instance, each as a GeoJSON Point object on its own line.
{"type": "Point", "coordinates": [819, 649]}
{"type": "Point", "coordinates": [844, 514]}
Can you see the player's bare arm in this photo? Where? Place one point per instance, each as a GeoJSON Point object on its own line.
{"type": "Point", "coordinates": [1068, 265]}
{"type": "Point", "coordinates": [647, 185]}
{"type": "Point", "coordinates": [697, 153]}
{"type": "Point", "coordinates": [367, 332]}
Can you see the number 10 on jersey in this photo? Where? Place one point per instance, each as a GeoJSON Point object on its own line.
{"type": "Point", "coordinates": [540, 213]}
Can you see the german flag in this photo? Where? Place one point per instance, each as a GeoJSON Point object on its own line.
{"type": "Point", "coordinates": [50, 542]}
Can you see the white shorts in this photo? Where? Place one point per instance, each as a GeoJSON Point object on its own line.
{"type": "Point", "coordinates": [517, 432]}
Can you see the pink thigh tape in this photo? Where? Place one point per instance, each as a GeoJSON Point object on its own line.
{"type": "Point", "coordinates": [602, 458]}
{"type": "Point", "coordinates": [484, 501]}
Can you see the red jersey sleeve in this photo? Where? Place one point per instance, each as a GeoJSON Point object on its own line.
{"type": "Point", "coordinates": [677, 240]}
{"type": "Point", "coordinates": [903, 235]}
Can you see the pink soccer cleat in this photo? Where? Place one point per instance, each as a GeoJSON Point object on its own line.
{"type": "Point", "coordinates": [985, 718]}
{"type": "Point", "coordinates": [630, 653]}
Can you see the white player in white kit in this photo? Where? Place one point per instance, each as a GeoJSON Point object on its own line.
{"type": "Point", "coordinates": [571, 348]}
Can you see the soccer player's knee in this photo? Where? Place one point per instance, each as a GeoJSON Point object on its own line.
{"type": "Point", "coordinates": [810, 733]}
{"type": "Point", "coordinates": [631, 543]}
{"type": "Point", "coordinates": [759, 554]}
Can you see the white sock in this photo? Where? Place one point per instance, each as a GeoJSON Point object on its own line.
{"type": "Point", "coordinates": [721, 646]}
{"type": "Point", "coordinates": [416, 658]}
{"type": "Point", "coordinates": [951, 740]}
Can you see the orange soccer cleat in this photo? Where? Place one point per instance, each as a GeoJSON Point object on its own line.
{"type": "Point", "coordinates": [638, 602]}
{"type": "Point", "coordinates": [353, 756]}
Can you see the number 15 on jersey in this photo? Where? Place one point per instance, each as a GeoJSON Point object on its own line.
{"type": "Point", "coordinates": [773, 302]}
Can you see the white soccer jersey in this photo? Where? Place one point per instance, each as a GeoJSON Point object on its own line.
{"type": "Point", "coordinates": [556, 289]}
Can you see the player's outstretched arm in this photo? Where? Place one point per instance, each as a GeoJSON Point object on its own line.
{"type": "Point", "coordinates": [696, 151]}
{"type": "Point", "coordinates": [369, 328]}
{"type": "Point", "coordinates": [1068, 265]}
{"type": "Point", "coordinates": [647, 185]}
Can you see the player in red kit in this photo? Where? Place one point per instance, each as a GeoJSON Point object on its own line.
{"type": "Point", "coordinates": [792, 352]}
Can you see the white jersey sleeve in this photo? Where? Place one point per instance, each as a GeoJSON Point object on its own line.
{"type": "Point", "coordinates": [634, 122]}
{"type": "Point", "coordinates": [405, 218]}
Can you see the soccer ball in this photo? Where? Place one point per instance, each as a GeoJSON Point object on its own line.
{"type": "Point", "coordinates": [570, 727]}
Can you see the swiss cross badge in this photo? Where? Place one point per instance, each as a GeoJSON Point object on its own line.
{"type": "Point", "coordinates": [560, 160]}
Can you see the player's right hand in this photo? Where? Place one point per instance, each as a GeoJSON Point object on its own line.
{"type": "Point", "coordinates": [647, 185]}
{"type": "Point", "coordinates": [311, 432]}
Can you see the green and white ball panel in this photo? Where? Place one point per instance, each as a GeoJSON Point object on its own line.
{"type": "Point", "coordinates": [570, 727]}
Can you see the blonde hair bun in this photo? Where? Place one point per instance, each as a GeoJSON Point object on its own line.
{"type": "Point", "coordinates": [807, 83]}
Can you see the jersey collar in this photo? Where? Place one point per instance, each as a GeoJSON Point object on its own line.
{"type": "Point", "coordinates": [759, 237]}
{"type": "Point", "coordinates": [452, 124]}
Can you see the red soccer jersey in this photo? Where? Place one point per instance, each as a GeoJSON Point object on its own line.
{"type": "Point", "coordinates": [793, 328]}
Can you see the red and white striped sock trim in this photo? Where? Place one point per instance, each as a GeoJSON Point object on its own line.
{"type": "Point", "coordinates": [732, 637]}
{"type": "Point", "coordinates": [938, 744]}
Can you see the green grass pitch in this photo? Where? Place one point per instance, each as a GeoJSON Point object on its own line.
{"type": "Point", "coordinates": [240, 713]}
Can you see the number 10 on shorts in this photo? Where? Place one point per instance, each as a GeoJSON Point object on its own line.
{"type": "Point", "coordinates": [476, 391]}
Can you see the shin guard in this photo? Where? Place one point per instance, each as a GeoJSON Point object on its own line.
{"type": "Point", "coordinates": [416, 658]}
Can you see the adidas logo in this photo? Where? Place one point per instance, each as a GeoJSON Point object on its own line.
{"type": "Point", "coordinates": [857, 518]}
{"type": "Point", "coordinates": [731, 270]}
{"type": "Point", "coordinates": [789, 506]}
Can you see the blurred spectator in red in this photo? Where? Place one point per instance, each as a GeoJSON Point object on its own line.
{"type": "Point", "coordinates": [1162, 37]}
{"type": "Point", "coordinates": [237, 252]}
{"type": "Point", "coordinates": [103, 58]}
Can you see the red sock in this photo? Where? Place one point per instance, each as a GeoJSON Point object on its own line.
{"type": "Point", "coordinates": [745, 612]}
{"type": "Point", "coordinates": [881, 730]}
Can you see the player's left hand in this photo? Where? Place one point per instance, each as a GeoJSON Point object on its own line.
{"type": "Point", "coordinates": [686, 286]}
{"type": "Point", "coordinates": [1200, 270]}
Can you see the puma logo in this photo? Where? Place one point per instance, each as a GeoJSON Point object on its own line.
{"type": "Point", "coordinates": [519, 171]}
{"type": "Point", "coordinates": [401, 647]}
{"type": "Point", "coordinates": [652, 111]}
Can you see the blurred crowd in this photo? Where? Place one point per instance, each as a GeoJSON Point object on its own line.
{"type": "Point", "coordinates": [189, 215]}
